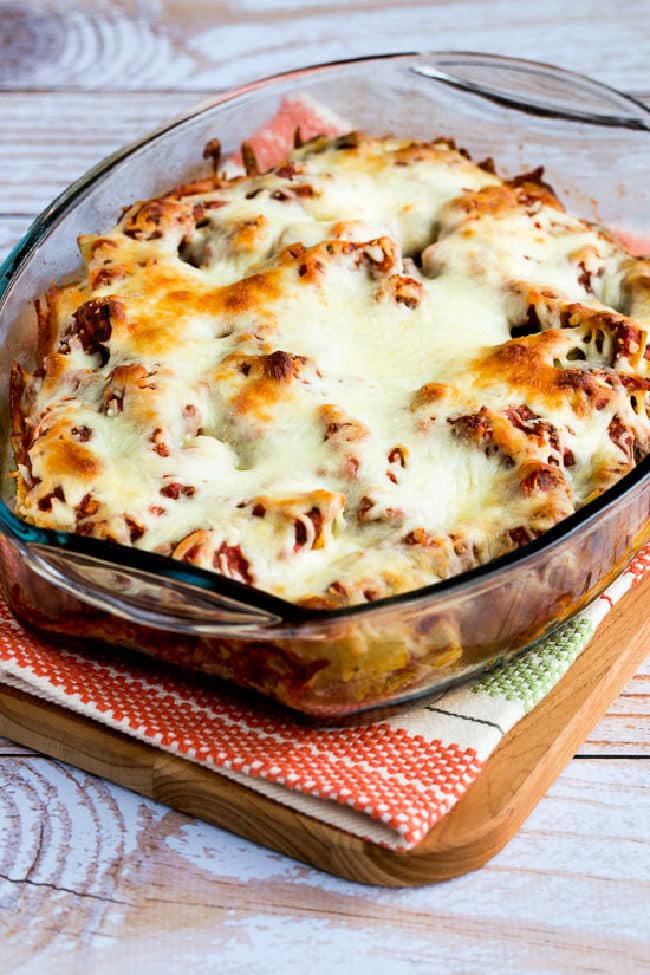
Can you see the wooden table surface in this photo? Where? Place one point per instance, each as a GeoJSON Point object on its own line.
{"type": "Point", "coordinates": [95, 879]}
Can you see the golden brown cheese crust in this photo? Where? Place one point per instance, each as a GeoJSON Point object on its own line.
{"type": "Point", "coordinates": [369, 369]}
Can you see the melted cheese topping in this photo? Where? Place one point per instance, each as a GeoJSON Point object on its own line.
{"type": "Point", "coordinates": [368, 369]}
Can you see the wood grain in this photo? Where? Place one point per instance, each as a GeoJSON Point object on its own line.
{"type": "Point", "coordinates": [132, 886]}
{"type": "Point", "coordinates": [515, 778]}
{"type": "Point", "coordinates": [11, 230]}
{"type": "Point", "coordinates": [625, 729]}
{"type": "Point", "coordinates": [49, 140]}
{"type": "Point", "coordinates": [10, 749]}
{"type": "Point", "coordinates": [103, 44]}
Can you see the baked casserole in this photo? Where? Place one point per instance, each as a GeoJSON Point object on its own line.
{"type": "Point", "coordinates": [371, 368]}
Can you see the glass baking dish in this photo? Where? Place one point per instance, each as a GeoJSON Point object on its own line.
{"type": "Point", "coordinates": [594, 143]}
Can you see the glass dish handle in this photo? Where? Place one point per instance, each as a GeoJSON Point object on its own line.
{"type": "Point", "coordinates": [535, 89]}
{"type": "Point", "coordinates": [171, 604]}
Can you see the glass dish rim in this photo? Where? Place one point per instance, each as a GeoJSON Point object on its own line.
{"type": "Point", "coordinates": [168, 569]}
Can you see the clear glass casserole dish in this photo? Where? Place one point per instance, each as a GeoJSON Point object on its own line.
{"type": "Point", "coordinates": [333, 663]}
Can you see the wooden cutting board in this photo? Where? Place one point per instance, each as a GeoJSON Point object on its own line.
{"type": "Point", "coordinates": [514, 779]}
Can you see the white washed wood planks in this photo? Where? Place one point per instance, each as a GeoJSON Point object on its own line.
{"type": "Point", "coordinates": [104, 44]}
{"type": "Point", "coordinates": [131, 885]}
{"type": "Point", "coordinates": [11, 230]}
{"type": "Point", "coordinates": [10, 748]}
{"type": "Point", "coordinates": [625, 729]}
{"type": "Point", "coordinates": [50, 139]}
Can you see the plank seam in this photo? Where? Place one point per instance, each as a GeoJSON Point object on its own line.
{"type": "Point", "coordinates": [614, 758]}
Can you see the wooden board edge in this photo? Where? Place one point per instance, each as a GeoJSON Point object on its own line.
{"type": "Point", "coordinates": [515, 778]}
{"type": "Point", "coordinates": [534, 753]}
